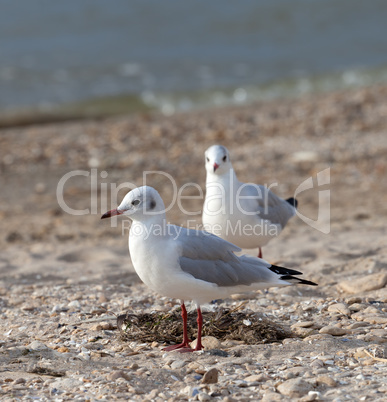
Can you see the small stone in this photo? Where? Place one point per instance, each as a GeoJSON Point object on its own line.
{"type": "Point", "coordinates": [375, 339]}
{"type": "Point", "coordinates": [103, 326]}
{"type": "Point", "coordinates": [134, 366]}
{"type": "Point", "coordinates": [63, 349]}
{"type": "Point", "coordinates": [364, 283]}
{"type": "Point", "coordinates": [177, 364]}
{"type": "Point", "coordinates": [75, 304]}
{"type": "Point", "coordinates": [353, 300]}
{"type": "Point", "coordinates": [210, 377]}
{"type": "Point", "coordinates": [115, 375]}
{"type": "Point", "coordinates": [357, 307]}
{"type": "Point", "coordinates": [70, 384]}
{"type": "Point", "coordinates": [294, 372]}
{"type": "Point", "coordinates": [376, 319]}
{"type": "Point", "coordinates": [303, 332]}
{"type": "Point", "coordinates": [208, 342]}
{"type": "Point", "coordinates": [312, 396]}
{"type": "Point", "coordinates": [325, 379]}
{"type": "Point", "coordinates": [302, 324]}
{"type": "Point", "coordinates": [296, 387]}
{"type": "Point", "coordinates": [36, 345]}
{"type": "Point", "coordinates": [332, 330]}
{"type": "Point", "coordinates": [340, 308]}
{"type": "Point", "coordinates": [317, 337]}
{"type": "Point", "coordinates": [257, 378]}
{"type": "Point", "coordinates": [202, 396]}
{"type": "Point", "coordinates": [272, 397]}
{"type": "Point", "coordinates": [380, 332]}
{"type": "Point", "coordinates": [357, 325]}
{"type": "Point", "coordinates": [317, 364]}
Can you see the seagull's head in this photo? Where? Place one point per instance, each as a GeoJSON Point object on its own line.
{"type": "Point", "coordinates": [217, 159]}
{"type": "Point", "coordinates": [139, 204]}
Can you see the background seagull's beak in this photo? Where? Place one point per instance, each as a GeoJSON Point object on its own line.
{"type": "Point", "coordinates": [215, 167]}
{"type": "Point", "coordinates": [111, 213]}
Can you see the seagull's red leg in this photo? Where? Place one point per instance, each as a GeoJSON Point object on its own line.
{"type": "Point", "coordinates": [199, 345]}
{"type": "Point", "coordinates": [260, 253]}
{"type": "Point", "coordinates": [186, 341]}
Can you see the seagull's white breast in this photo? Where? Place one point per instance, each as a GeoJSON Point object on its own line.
{"type": "Point", "coordinates": [230, 212]}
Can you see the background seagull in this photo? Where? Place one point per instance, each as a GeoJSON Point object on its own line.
{"type": "Point", "coordinates": [189, 264]}
{"type": "Point", "coordinates": [248, 215]}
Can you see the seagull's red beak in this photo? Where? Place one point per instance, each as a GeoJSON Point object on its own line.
{"type": "Point", "coordinates": [215, 167]}
{"type": "Point", "coordinates": [111, 213]}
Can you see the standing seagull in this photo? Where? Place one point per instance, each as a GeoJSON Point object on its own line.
{"type": "Point", "coordinates": [248, 215]}
{"type": "Point", "coordinates": [190, 264]}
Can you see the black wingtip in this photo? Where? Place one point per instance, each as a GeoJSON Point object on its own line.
{"type": "Point", "coordinates": [293, 202]}
{"type": "Point", "coordinates": [287, 275]}
{"type": "Point", "coordinates": [299, 280]}
{"type": "Point", "coordinates": [284, 271]}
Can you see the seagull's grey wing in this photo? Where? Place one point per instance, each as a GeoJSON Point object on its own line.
{"type": "Point", "coordinates": [244, 270]}
{"type": "Point", "coordinates": [200, 244]}
{"type": "Point", "coordinates": [267, 204]}
{"type": "Point", "coordinates": [212, 259]}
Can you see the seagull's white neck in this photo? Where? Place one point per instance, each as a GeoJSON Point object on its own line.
{"type": "Point", "coordinates": [227, 180]}
{"type": "Point", "coordinates": [152, 226]}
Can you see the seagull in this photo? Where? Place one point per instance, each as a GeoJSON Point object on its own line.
{"type": "Point", "coordinates": [248, 215]}
{"type": "Point", "coordinates": [189, 264]}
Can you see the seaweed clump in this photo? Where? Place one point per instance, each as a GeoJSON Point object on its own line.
{"type": "Point", "coordinates": [224, 324]}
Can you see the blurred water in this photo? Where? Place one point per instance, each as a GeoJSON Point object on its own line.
{"type": "Point", "coordinates": [177, 53]}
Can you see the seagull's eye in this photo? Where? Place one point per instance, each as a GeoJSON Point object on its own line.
{"type": "Point", "coordinates": [207, 159]}
{"type": "Point", "coordinates": [224, 158]}
{"type": "Point", "coordinates": [135, 202]}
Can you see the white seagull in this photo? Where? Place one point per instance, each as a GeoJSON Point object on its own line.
{"type": "Point", "coordinates": [189, 264]}
{"type": "Point", "coordinates": [248, 215]}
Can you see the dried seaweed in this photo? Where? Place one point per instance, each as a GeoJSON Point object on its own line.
{"type": "Point", "coordinates": [224, 324]}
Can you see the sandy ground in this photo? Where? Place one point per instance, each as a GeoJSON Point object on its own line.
{"type": "Point", "coordinates": [64, 277]}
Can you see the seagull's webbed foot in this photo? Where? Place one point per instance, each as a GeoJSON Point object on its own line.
{"type": "Point", "coordinates": [179, 347]}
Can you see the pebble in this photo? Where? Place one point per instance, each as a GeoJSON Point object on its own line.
{"type": "Point", "coordinates": [178, 364]}
{"type": "Point", "coordinates": [202, 396]}
{"type": "Point", "coordinates": [208, 342]}
{"type": "Point", "coordinates": [364, 283]}
{"type": "Point", "coordinates": [211, 376]}
{"type": "Point", "coordinates": [116, 374]}
{"type": "Point", "coordinates": [317, 364]}
{"type": "Point", "coordinates": [103, 326]}
{"type": "Point", "coordinates": [75, 304]}
{"type": "Point", "coordinates": [36, 345]}
{"type": "Point", "coordinates": [333, 330]}
{"type": "Point", "coordinates": [357, 307]}
{"type": "Point", "coordinates": [257, 378]}
{"type": "Point", "coordinates": [376, 319]}
{"type": "Point", "coordinates": [340, 308]}
{"type": "Point", "coordinates": [302, 324]}
{"type": "Point", "coordinates": [353, 300]}
{"type": "Point", "coordinates": [68, 384]}
{"type": "Point", "coordinates": [327, 380]}
{"type": "Point", "coordinates": [295, 387]}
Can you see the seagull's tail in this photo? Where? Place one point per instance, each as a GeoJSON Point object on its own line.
{"type": "Point", "coordinates": [293, 202]}
{"type": "Point", "coordinates": [286, 274]}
